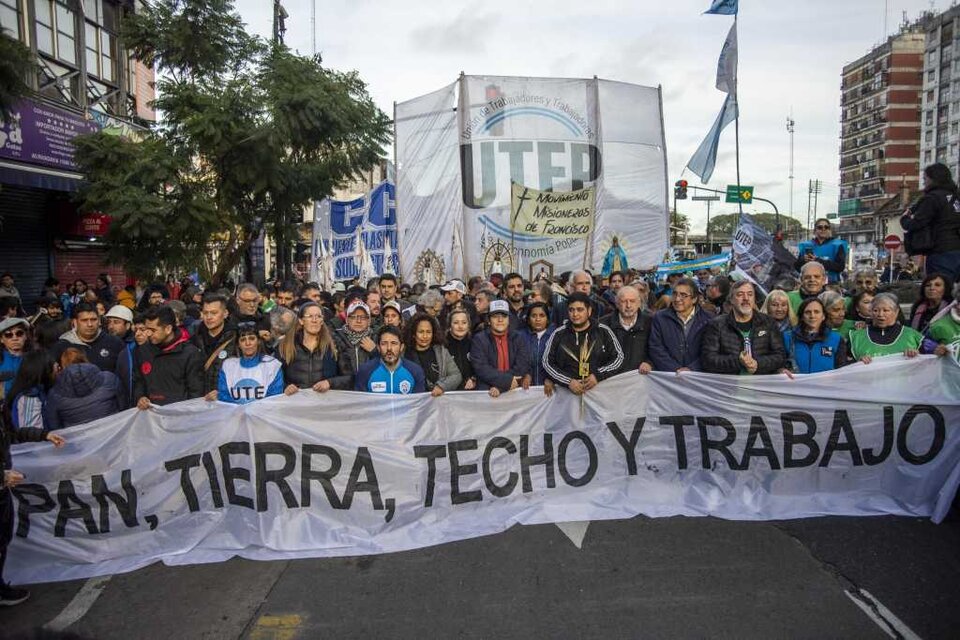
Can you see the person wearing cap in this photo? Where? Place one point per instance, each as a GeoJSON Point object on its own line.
{"type": "Point", "coordinates": [743, 341]}
{"type": "Point", "coordinates": [252, 375]}
{"type": "Point", "coordinates": [499, 354]}
{"type": "Point", "coordinates": [355, 344]}
{"type": "Point", "coordinates": [390, 372]}
{"type": "Point", "coordinates": [454, 297]}
{"type": "Point", "coordinates": [308, 353]}
{"type": "Point", "coordinates": [15, 338]}
{"type": "Point", "coordinates": [582, 353]}
{"type": "Point", "coordinates": [216, 338]}
{"type": "Point", "coordinates": [101, 348]}
{"type": "Point", "coordinates": [392, 314]}
{"type": "Point", "coordinates": [119, 323]}
{"type": "Point", "coordinates": [167, 368]}
{"type": "Point", "coordinates": [424, 345]}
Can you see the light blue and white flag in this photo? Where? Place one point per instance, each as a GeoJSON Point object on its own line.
{"type": "Point", "coordinates": [727, 65]}
{"type": "Point", "coordinates": [723, 7]}
{"type": "Point", "coordinates": [665, 269]}
{"type": "Point", "coordinates": [705, 157]}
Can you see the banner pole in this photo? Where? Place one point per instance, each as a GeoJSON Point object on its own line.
{"type": "Point", "coordinates": [736, 119]}
{"type": "Point", "coordinates": [396, 193]}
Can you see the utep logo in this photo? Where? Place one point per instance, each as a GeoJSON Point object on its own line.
{"type": "Point", "coordinates": [564, 158]}
{"type": "Point", "coordinates": [377, 209]}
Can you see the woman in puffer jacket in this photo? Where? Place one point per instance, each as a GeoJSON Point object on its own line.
{"type": "Point", "coordinates": [82, 393]}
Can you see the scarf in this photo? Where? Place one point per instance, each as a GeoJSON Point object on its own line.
{"type": "Point", "coordinates": [354, 337]}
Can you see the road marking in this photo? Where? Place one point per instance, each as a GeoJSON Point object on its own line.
{"type": "Point", "coordinates": [285, 627]}
{"type": "Point", "coordinates": [80, 604]}
{"type": "Point", "coordinates": [576, 531]}
{"type": "Point", "coordinates": [885, 619]}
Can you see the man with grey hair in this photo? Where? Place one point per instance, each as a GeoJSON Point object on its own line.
{"type": "Point", "coordinates": [429, 302]}
{"type": "Point", "coordinates": [813, 280]}
{"type": "Point", "coordinates": [580, 282]}
{"type": "Point", "coordinates": [630, 324]}
{"type": "Point", "coordinates": [865, 280]}
{"type": "Point", "coordinates": [248, 309]}
{"type": "Point", "coordinates": [282, 321]}
{"type": "Point", "coordinates": [743, 341]}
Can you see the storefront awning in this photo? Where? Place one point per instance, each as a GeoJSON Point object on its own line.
{"type": "Point", "coordinates": [25, 175]}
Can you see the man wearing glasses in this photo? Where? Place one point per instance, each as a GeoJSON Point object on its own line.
{"type": "Point", "coordinates": [248, 309]}
{"type": "Point", "coordinates": [824, 248]}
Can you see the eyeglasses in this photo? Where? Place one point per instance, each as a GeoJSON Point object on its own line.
{"type": "Point", "coordinates": [681, 295]}
{"type": "Point", "coordinates": [313, 317]}
{"type": "Point", "coordinates": [822, 226]}
{"type": "Point", "coordinates": [18, 333]}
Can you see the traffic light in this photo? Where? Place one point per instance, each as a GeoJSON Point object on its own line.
{"type": "Point", "coordinates": [680, 190]}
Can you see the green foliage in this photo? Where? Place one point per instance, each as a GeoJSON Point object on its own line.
{"type": "Point", "coordinates": [16, 63]}
{"type": "Point", "coordinates": [250, 133]}
{"type": "Point", "coordinates": [726, 224]}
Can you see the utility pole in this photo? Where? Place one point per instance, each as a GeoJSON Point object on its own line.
{"type": "Point", "coordinates": [790, 123]}
{"type": "Point", "coordinates": [313, 27]}
{"type": "Point", "coordinates": [280, 16]}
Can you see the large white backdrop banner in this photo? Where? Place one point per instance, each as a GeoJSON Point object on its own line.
{"type": "Point", "coordinates": [349, 474]}
{"type": "Point", "coordinates": [455, 168]}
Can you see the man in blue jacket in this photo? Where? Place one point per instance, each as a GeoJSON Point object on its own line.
{"type": "Point", "coordinates": [499, 354]}
{"type": "Point", "coordinates": [391, 372]}
{"type": "Point", "coordinates": [676, 332]}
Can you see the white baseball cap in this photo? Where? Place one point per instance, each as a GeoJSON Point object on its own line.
{"type": "Point", "coordinates": [357, 304]}
{"type": "Point", "coordinates": [499, 306]}
{"type": "Point", "coordinates": [454, 285]}
{"type": "Point", "coordinates": [120, 311]}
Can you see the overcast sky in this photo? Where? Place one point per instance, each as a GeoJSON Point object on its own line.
{"type": "Point", "coordinates": [791, 55]}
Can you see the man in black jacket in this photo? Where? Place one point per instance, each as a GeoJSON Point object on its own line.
{"type": "Point", "coordinates": [630, 323]}
{"type": "Point", "coordinates": [216, 338]}
{"type": "Point", "coordinates": [743, 341]}
{"type": "Point", "coordinates": [937, 215]}
{"type": "Point", "coordinates": [582, 353]}
{"type": "Point", "coordinates": [168, 368]}
{"type": "Point", "coordinates": [99, 346]}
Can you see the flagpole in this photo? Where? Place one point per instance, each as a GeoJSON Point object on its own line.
{"type": "Point", "coordinates": [736, 119]}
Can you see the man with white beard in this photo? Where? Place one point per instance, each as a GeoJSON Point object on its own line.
{"type": "Point", "coordinates": [743, 341]}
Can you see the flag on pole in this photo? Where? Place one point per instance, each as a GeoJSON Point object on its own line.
{"type": "Point", "coordinates": [705, 157]}
{"type": "Point", "coordinates": [388, 255]}
{"type": "Point", "coordinates": [727, 65]}
{"type": "Point", "coordinates": [723, 7]}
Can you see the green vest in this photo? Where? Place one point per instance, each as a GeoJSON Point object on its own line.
{"type": "Point", "coordinates": [861, 344]}
{"type": "Point", "coordinates": [845, 328]}
{"type": "Point", "coordinates": [946, 330]}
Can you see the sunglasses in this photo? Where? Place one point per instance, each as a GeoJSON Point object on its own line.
{"type": "Point", "coordinates": [18, 333]}
{"type": "Point", "coordinates": [822, 226]}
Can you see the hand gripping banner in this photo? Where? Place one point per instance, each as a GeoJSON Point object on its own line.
{"type": "Point", "coordinates": [344, 474]}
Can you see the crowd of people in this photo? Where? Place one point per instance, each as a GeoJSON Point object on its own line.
{"type": "Point", "coordinates": [90, 352]}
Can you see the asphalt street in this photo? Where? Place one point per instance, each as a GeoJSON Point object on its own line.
{"type": "Point", "coordinates": [639, 578]}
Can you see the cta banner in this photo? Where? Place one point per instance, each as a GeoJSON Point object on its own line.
{"type": "Point", "coordinates": [562, 214]}
{"type": "Point", "coordinates": [460, 148]}
{"type": "Point", "coordinates": [348, 474]}
{"type": "Point", "coordinates": [348, 233]}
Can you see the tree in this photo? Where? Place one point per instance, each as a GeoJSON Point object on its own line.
{"type": "Point", "coordinates": [16, 63]}
{"type": "Point", "coordinates": [724, 226]}
{"type": "Point", "coordinates": [250, 133]}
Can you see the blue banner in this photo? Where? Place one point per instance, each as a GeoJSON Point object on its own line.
{"type": "Point", "coordinates": [719, 260]}
{"type": "Point", "coordinates": [375, 215]}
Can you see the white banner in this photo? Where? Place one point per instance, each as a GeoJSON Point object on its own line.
{"type": "Point", "coordinates": [459, 149]}
{"type": "Point", "coordinates": [348, 474]}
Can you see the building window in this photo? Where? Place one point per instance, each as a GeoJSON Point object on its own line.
{"type": "Point", "coordinates": [927, 157]}
{"type": "Point", "coordinates": [10, 19]}
{"type": "Point", "coordinates": [928, 136]}
{"type": "Point", "coordinates": [45, 27]}
{"type": "Point", "coordinates": [66, 34]}
{"type": "Point", "coordinates": [931, 75]}
{"type": "Point", "coordinates": [928, 118]}
{"type": "Point", "coordinates": [101, 39]}
{"type": "Point", "coordinates": [930, 95]}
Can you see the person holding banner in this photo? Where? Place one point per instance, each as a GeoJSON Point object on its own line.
{"type": "Point", "coordinates": [355, 344]}
{"type": "Point", "coordinates": [500, 356]}
{"type": "Point", "coordinates": [676, 333]}
{"type": "Point", "coordinates": [459, 343]}
{"type": "Point", "coordinates": [167, 368]}
{"type": "Point", "coordinates": [582, 353]}
{"type": "Point", "coordinates": [886, 335]}
{"type": "Point", "coordinates": [424, 345]}
{"type": "Point", "coordinates": [943, 334]}
{"type": "Point", "coordinates": [390, 372]}
{"type": "Point", "coordinates": [309, 354]}
{"type": "Point", "coordinates": [630, 323]}
{"type": "Point", "coordinates": [537, 333]}
{"type": "Point", "coordinates": [812, 346]}
{"type": "Point", "coordinates": [743, 341]}
{"type": "Point", "coordinates": [253, 375]}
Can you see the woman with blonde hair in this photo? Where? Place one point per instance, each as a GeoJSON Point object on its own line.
{"type": "Point", "coordinates": [308, 353]}
{"type": "Point", "coordinates": [777, 306]}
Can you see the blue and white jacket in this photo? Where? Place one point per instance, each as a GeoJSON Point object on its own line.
{"type": "Point", "coordinates": [374, 377]}
{"type": "Point", "coordinates": [244, 380]}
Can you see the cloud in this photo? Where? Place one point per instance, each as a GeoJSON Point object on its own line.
{"type": "Point", "coordinates": [467, 32]}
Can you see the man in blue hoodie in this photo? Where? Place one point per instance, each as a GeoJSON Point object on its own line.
{"type": "Point", "coordinates": [390, 372]}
